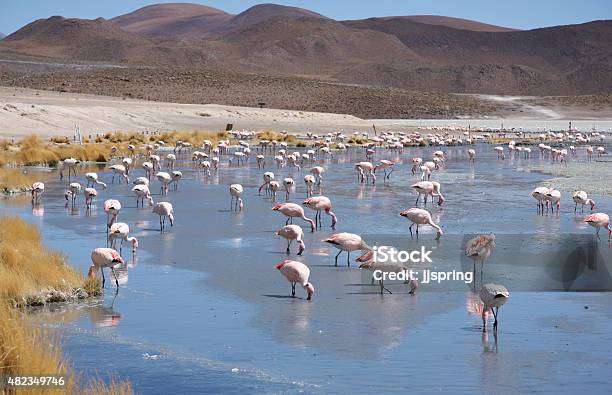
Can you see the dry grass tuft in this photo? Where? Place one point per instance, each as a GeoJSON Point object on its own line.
{"type": "Point", "coordinates": [27, 267]}
{"type": "Point", "coordinates": [15, 179]}
{"type": "Point", "coordinates": [26, 349]}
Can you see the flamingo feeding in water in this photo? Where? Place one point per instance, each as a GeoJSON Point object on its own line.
{"type": "Point", "coordinates": [297, 273]}
{"type": "Point", "coordinates": [318, 204]}
{"type": "Point", "coordinates": [70, 164]}
{"type": "Point", "coordinates": [89, 193]}
{"type": "Point", "coordinates": [580, 197]}
{"type": "Point", "coordinates": [104, 257]}
{"type": "Point", "coordinates": [119, 170]}
{"type": "Point", "coordinates": [480, 248]}
{"type": "Point", "coordinates": [428, 188]}
{"type": "Point", "coordinates": [165, 179]}
{"type": "Point", "coordinates": [598, 221]}
{"type": "Point", "coordinates": [142, 192]}
{"type": "Point", "coordinates": [347, 242]}
{"type": "Point", "coordinates": [493, 296]}
{"type": "Point", "coordinates": [292, 210]}
{"type": "Point", "coordinates": [164, 209]}
{"type": "Point", "coordinates": [121, 230]}
{"type": "Point", "coordinates": [420, 217]}
{"type": "Point", "coordinates": [290, 233]}
{"type": "Point", "coordinates": [554, 197]}
{"type": "Point", "coordinates": [539, 194]}
{"type": "Point", "coordinates": [236, 194]}
{"type": "Point", "coordinates": [92, 179]}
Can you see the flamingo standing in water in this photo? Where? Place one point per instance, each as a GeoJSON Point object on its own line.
{"type": "Point", "coordinates": [121, 230]}
{"type": "Point", "coordinates": [428, 188]}
{"type": "Point", "coordinates": [367, 262]}
{"type": "Point", "coordinates": [261, 162]}
{"type": "Point", "coordinates": [37, 190]}
{"type": "Point", "coordinates": [289, 185]}
{"type": "Point", "coordinates": [142, 192]}
{"type": "Point", "coordinates": [164, 209]}
{"type": "Point", "coordinates": [317, 172]}
{"type": "Point", "coordinates": [420, 217]}
{"type": "Point", "coordinates": [292, 210]}
{"type": "Point", "coordinates": [176, 176]}
{"type": "Point", "coordinates": [112, 207]}
{"type": "Point", "coordinates": [365, 170]}
{"type": "Point", "coordinates": [236, 194]}
{"type": "Point", "coordinates": [554, 197]}
{"type": "Point", "coordinates": [73, 189]}
{"type": "Point", "coordinates": [416, 162]}
{"type": "Point", "coordinates": [347, 242]}
{"type": "Point", "coordinates": [297, 273]}
{"type": "Point", "coordinates": [580, 197]}
{"type": "Point", "coordinates": [148, 168]}
{"type": "Point", "coordinates": [471, 155]}
{"type": "Point", "coordinates": [318, 204]}
{"type": "Point", "coordinates": [92, 179]}
{"type": "Point", "coordinates": [274, 188]}
{"type": "Point", "coordinates": [89, 193]}
{"type": "Point", "coordinates": [384, 165]}
{"type": "Point", "coordinates": [104, 257]}
{"type": "Point", "coordinates": [500, 153]}
{"type": "Point", "coordinates": [267, 177]}
{"type": "Point", "coordinates": [290, 233]}
{"type": "Point", "coordinates": [480, 248]}
{"type": "Point", "coordinates": [119, 170]}
{"type": "Point", "coordinates": [70, 164]}
{"type": "Point", "coordinates": [141, 181]}
{"type": "Point", "coordinates": [309, 180]}
{"type": "Point", "coordinates": [170, 160]}
{"type": "Point", "coordinates": [598, 221]}
{"type": "Point", "coordinates": [493, 296]}
{"type": "Point", "coordinates": [165, 179]}
{"type": "Point", "coordinates": [539, 194]}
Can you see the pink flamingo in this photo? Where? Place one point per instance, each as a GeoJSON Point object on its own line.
{"type": "Point", "coordinates": [104, 257]}
{"type": "Point", "coordinates": [296, 272]}
{"type": "Point", "coordinates": [289, 185]}
{"type": "Point", "coordinates": [164, 209]}
{"type": "Point", "coordinates": [539, 194]}
{"type": "Point", "coordinates": [119, 170]}
{"type": "Point", "coordinates": [142, 192]}
{"type": "Point", "coordinates": [554, 197]}
{"type": "Point", "coordinates": [580, 197]}
{"type": "Point", "coordinates": [598, 221]}
{"type": "Point", "coordinates": [416, 162]}
{"type": "Point", "coordinates": [347, 242]}
{"type": "Point", "coordinates": [318, 204]}
{"type": "Point", "coordinates": [236, 194]}
{"type": "Point", "coordinates": [428, 188]}
{"type": "Point", "coordinates": [309, 180]}
{"type": "Point", "coordinates": [89, 193]}
{"type": "Point", "coordinates": [292, 210]}
{"type": "Point", "coordinates": [480, 248]}
{"type": "Point", "coordinates": [365, 169]}
{"type": "Point", "coordinates": [471, 155]}
{"type": "Point", "coordinates": [420, 217]}
{"type": "Point", "coordinates": [121, 230]}
{"type": "Point", "coordinates": [290, 233]}
{"type": "Point", "coordinates": [112, 207]}
{"type": "Point", "coordinates": [384, 165]}
{"type": "Point", "coordinates": [493, 296]}
{"type": "Point", "coordinates": [267, 177]}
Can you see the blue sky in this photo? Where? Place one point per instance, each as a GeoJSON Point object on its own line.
{"type": "Point", "coordinates": [523, 14]}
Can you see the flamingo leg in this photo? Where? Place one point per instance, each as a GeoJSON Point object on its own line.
{"type": "Point", "coordinates": [293, 289]}
{"type": "Point", "coordinates": [116, 279]}
{"type": "Point", "coordinates": [103, 279]}
{"type": "Point", "coordinates": [348, 258]}
{"type": "Point", "coordinates": [336, 260]}
{"type": "Point", "coordinates": [410, 229]}
{"type": "Point", "coordinates": [495, 315]}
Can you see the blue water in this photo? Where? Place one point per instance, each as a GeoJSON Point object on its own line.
{"type": "Point", "coordinates": [205, 311]}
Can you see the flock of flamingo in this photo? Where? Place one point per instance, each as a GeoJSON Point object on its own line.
{"type": "Point", "coordinates": [209, 158]}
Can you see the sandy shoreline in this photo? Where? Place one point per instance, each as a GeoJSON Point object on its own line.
{"type": "Point", "coordinates": [24, 111]}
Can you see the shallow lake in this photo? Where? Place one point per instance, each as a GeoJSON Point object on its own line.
{"type": "Point", "coordinates": [205, 311]}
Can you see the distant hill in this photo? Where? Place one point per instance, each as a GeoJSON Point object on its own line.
{"type": "Point", "coordinates": [173, 20]}
{"type": "Point", "coordinates": [455, 23]}
{"type": "Point", "coordinates": [2, 35]}
{"type": "Point", "coordinates": [423, 52]}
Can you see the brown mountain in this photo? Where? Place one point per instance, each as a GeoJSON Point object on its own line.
{"type": "Point", "coordinates": [173, 20]}
{"type": "Point", "coordinates": [428, 53]}
{"type": "Point", "coordinates": [96, 40]}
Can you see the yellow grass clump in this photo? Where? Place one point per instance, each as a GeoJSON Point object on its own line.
{"type": "Point", "coordinates": [26, 349]}
{"type": "Point", "coordinates": [27, 267]}
{"type": "Point", "coordinates": [11, 179]}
